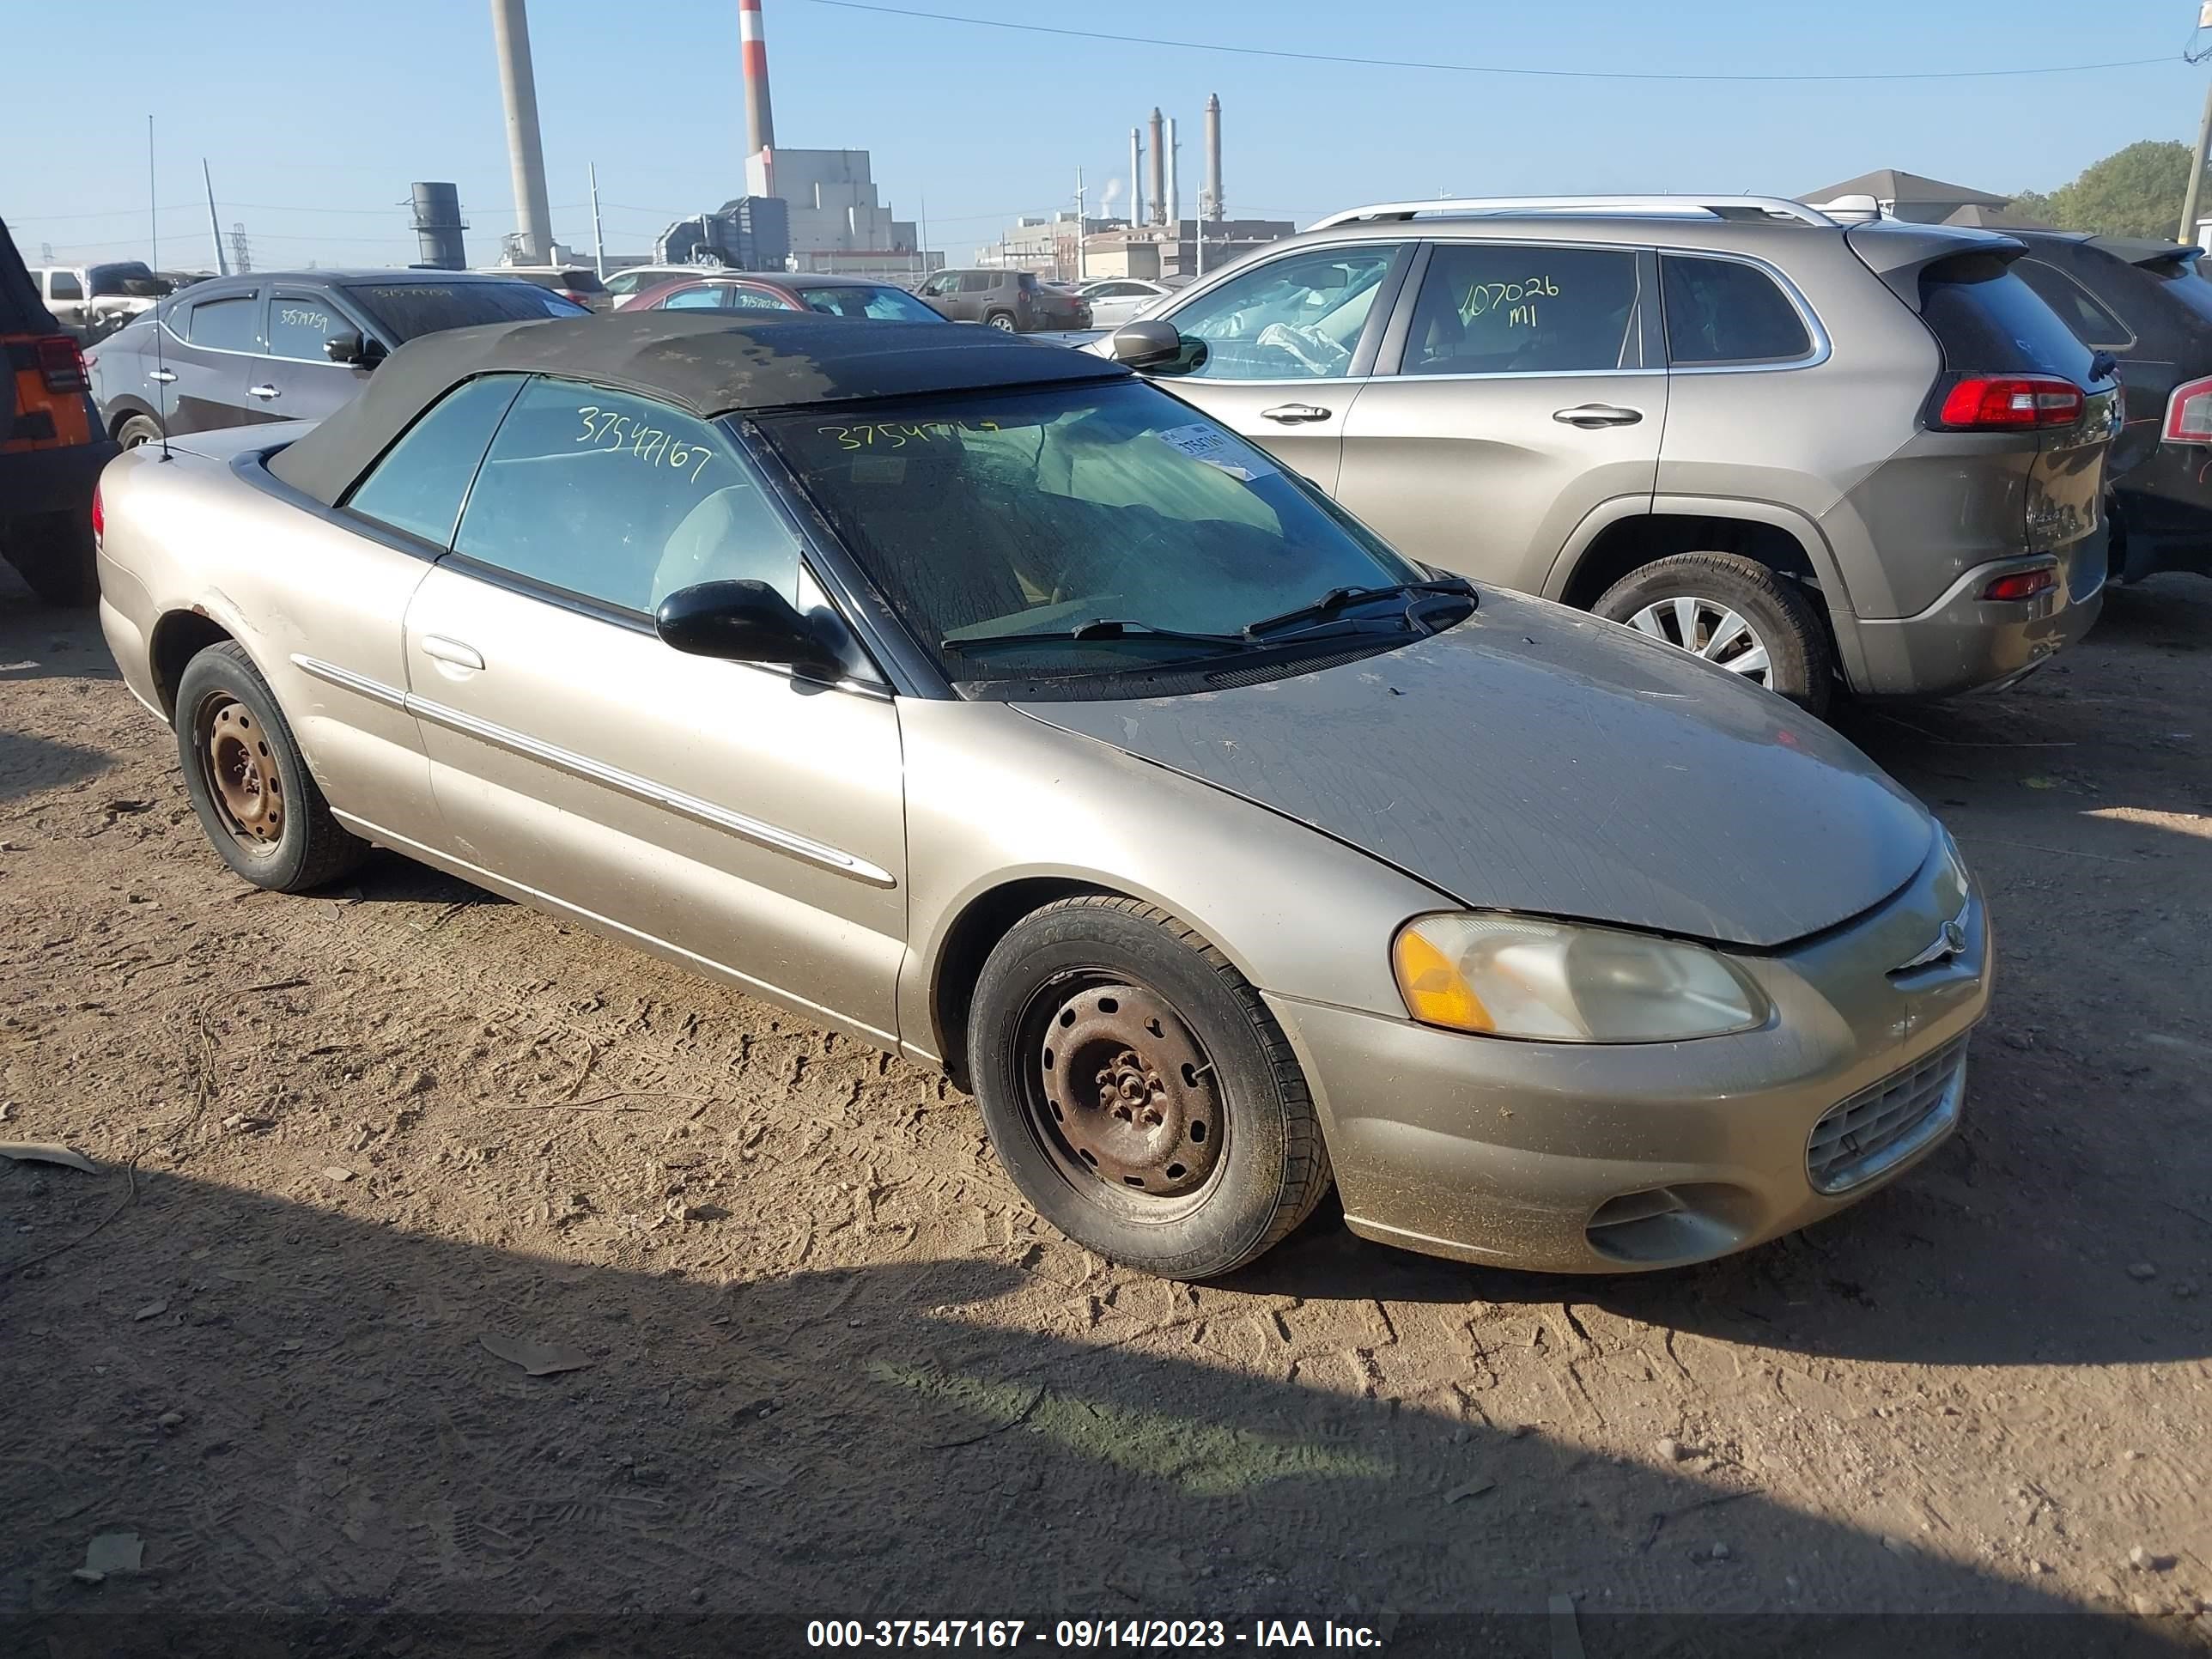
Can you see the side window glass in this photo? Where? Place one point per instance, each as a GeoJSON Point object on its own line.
{"type": "Point", "coordinates": [419, 485]}
{"type": "Point", "coordinates": [621, 500]}
{"type": "Point", "coordinates": [752, 299]}
{"type": "Point", "coordinates": [226, 325]}
{"type": "Point", "coordinates": [1293, 318]}
{"type": "Point", "coordinates": [979, 282]}
{"type": "Point", "coordinates": [693, 298]}
{"type": "Point", "coordinates": [298, 326]}
{"type": "Point", "coordinates": [1721, 312]}
{"type": "Point", "coordinates": [1500, 308]}
{"type": "Point", "coordinates": [2079, 309]}
{"type": "Point", "coordinates": [65, 285]}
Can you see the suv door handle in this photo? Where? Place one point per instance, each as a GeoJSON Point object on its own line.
{"type": "Point", "coordinates": [264, 392]}
{"type": "Point", "coordinates": [1590, 416]}
{"type": "Point", "coordinates": [451, 651]}
{"type": "Point", "coordinates": [1294, 414]}
{"type": "Point", "coordinates": [161, 376]}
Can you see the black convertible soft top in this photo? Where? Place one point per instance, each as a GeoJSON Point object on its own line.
{"type": "Point", "coordinates": [704, 362]}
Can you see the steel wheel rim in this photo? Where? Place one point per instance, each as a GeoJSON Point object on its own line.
{"type": "Point", "coordinates": [1004, 324]}
{"type": "Point", "coordinates": [1121, 1096]}
{"type": "Point", "coordinates": [1707, 628]}
{"type": "Point", "coordinates": [243, 783]}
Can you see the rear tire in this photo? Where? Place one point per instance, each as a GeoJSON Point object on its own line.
{"type": "Point", "coordinates": [1003, 321]}
{"type": "Point", "coordinates": [1139, 1091]}
{"type": "Point", "coordinates": [138, 429]}
{"type": "Point", "coordinates": [1785, 649]}
{"type": "Point", "coordinates": [53, 554]}
{"type": "Point", "coordinates": [248, 781]}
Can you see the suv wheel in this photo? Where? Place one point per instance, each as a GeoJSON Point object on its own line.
{"type": "Point", "coordinates": [1139, 1091]}
{"type": "Point", "coordinates": [138, 429]}
{"type": "Point", "coordinates": [1001, 320]}
{"type": "Point", "coordinates": [1734, 613]}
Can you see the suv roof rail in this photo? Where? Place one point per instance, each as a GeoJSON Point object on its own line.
{"type": "Point", "coordinates": [1765, 208]}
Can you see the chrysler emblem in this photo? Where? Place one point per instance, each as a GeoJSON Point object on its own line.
{"type": "Point", "coordinates": [1947, 944]}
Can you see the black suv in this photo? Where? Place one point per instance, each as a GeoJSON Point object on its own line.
{"type": "Point", "coordinates": [2144, 302]}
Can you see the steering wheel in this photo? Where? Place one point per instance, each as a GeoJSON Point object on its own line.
{"type": "Point", "coordinates": [1312, 348]}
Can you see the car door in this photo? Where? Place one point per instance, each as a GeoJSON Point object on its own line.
{"type": "Point", "coordinates": [1281, 350]}
{"type": "Point", "coordinates": [214, 364]}
{"type": "Point", "coordinates": [65, 298]}
{"type": "Point", "coordinates": [301, 382]}
{"type": "Point", "coordinates": [941, 294]}
{"type": "Point", "coordinates": [1512, 399]}
{"type": "Point", "coordinates": [747, 819]}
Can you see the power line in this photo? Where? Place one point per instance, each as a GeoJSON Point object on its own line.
{"type": "Point", "coordinates": [1470, 69]}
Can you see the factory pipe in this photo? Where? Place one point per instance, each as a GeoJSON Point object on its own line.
{"type": "Point", "coordinates": [1136, 177]}
{"type": "Point", "coordinates": [760, 118]}
{"type": "Point", "coordinates": [1174, 189]}
{"type": "Point", "coordinates": [518, 87]}
{"type": "Point", "coordinates": [1159, 168]}
{"type": "Point", "coordinates": [1211, 206]}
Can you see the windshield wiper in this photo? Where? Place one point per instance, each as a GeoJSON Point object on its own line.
{"type": "Point", "coordinates": [1338, 599]}
{"type": "Point", "coordinates": [1106, 629]}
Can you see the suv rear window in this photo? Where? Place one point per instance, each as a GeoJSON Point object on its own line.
{"type": "Point", "coordinates": [1989, 322]}
{"type": "Point", "coordinates": [1721, 312]}
{"type": "Point", "coordinates": [404, 310]}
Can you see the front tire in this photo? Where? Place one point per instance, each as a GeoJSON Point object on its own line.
{"type": "Point", "coordinates": [248, 782]}
{"type": "Point", "coordinates": [52, 552]}
{"type": "Point", "coordinates": [1139, 1093]}
{"type": "Point", "coordinates": [1734, 612]}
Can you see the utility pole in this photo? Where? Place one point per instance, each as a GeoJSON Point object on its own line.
{"type": "Point", "coordinates": [599, 242]}
{"type": "Point", "coordinates": [2203, 150]}
{"type": "Point", "coordinates": [1082, 265]}
{"type": "Point", "coordinates": [222, 268]}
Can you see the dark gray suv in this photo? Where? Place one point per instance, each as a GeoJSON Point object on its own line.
{"type": "Point", "coordinates": [284, 346]}
{"type": "Point", "coordinates": [1809, 451]}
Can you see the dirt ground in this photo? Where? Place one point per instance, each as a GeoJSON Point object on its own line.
{"type": "Point", "coordinates": [835, 1369]}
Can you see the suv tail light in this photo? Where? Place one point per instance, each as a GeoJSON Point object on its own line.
{"type": "Point", "coordinates": [2023, 584]}
{"type": "Point", "coordinates": [61, 363]}
{"type": "Point", "coordinates": [2005, 403]}
{"type": "Point", "coordinates": [2189, 413]}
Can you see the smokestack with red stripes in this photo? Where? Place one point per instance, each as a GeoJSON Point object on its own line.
{"type": "Point", "coordinates": [760, 119]}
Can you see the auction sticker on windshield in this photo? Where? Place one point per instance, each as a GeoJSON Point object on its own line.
{"type": "Point", "coordinates": [1214, 446]}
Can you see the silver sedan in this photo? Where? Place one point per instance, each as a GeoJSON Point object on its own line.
{"type": "Point", "coordinates": [983, 702]}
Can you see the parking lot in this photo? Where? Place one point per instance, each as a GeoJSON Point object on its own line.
{"type": "Point", "coordinates": [826, 1350]}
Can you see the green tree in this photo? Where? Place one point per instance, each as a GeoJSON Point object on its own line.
{"type": "Point", "coordinates": [2136, 191]}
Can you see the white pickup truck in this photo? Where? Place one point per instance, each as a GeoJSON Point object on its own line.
{"type": "Point", "coordinates": [93, 301]}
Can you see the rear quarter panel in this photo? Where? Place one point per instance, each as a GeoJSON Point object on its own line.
{"type": "Point", "coordinates": [188, 536]}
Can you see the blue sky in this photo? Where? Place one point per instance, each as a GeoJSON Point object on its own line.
{"type": "Point", "coordinates": [314, 128]}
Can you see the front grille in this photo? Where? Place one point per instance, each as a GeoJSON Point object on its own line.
{"type": "Point", "coordinates": [1878, 1128]}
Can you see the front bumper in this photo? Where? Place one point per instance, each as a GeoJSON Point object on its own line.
{"type": "Point", "coordinates": [1610, 1158]}
{"type": "Point", "coordinates": [1963, 642]}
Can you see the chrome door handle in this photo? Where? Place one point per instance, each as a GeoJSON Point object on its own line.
{"type": "Point", "coordinates": [264, 390]}
{"type": "Point", "coordinates": [451, 651]}
{"type": "Point", "coordinates": [1590, 416]}
{"type": "Point", "coordinates": [1294, 414]}
{"type": "Point", "coordinates": [161, 376]}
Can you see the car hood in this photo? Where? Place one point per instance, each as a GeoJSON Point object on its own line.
{"type": "Point", "coordinates": [1535, 758]}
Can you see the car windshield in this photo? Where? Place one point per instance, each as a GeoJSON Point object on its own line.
{"type": "Point", "coordinates": [1037, 512]}
{"type": "Point", "coordinates": [890, 305]}
{"type": "Point", "coordinates": [404, 310]}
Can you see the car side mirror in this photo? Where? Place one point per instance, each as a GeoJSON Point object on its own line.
{"type": "Point", "coordinates": [743, 622]}
{"type": "Point", "coordinates": [1143, 345]}
{"type": "Point", "coordinates": [348, 347]}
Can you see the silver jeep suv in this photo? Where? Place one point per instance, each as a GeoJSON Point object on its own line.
{"type": "Point", "coordinates": [1811, 450]}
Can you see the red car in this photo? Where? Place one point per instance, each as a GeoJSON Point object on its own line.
{"type": "Point", "coordinates": [764, 290]}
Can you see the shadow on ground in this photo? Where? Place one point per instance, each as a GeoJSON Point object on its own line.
{"type": "Point", "coordinates": [871, 1443]}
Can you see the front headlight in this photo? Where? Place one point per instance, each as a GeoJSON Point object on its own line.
{"type": "Point", "coordinates": [1520, 977]}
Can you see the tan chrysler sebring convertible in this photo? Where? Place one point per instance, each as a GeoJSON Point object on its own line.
{"type": "Point", "coordinates": [978, 699]}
